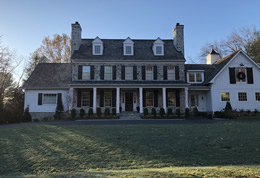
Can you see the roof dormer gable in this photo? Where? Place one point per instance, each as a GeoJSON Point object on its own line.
{"type": "Point", "coordinates": [128, 47]}
{"type": "Point", "coordinates": [97, 46]}
{"type": "Point", "coordinates": [158, 47]}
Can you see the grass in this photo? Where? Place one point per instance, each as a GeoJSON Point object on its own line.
{"type": "Point", "coordinates": [224, 149]}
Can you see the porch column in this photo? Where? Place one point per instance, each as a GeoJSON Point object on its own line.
{"type": "Point", "coordinates": [164, 99]}
{"type": "Point", "coordinates": [70, 99]}
{"type": "Point", "coordinates": [141, 99]}
{"type": "Point", "coordinates": [186, 97]}
{"type": "Point", "coordinates": [117, 100]}
{"type": "Point", "coordinates": [94, 100]}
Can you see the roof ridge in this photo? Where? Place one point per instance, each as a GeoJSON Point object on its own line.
{"type": "Point", "coordinates": [226, 57]}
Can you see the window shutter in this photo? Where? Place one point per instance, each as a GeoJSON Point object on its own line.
{"type": "Point", "coordinates": [80, 72]}
{"type": "Point", "coordinates": [177, 98]}
{"type": "Point", "coordinates": [102, 72]}
{"type": "Point", "coordinates": [123, 72]}
{"type": "Point", "coordinates": [143, 72]}
{"type": "Point", "coordinates": [91, 98]}
{"type": "Point", "coordinates": [39, 98]}
{"type": "Point", "coordinates": [232, 76]}
{"type": "Point", "coordinates": [166, 98]}
{"type": "Point", "coordinates": [135, 72]}
{"type": "Point", "coordinates": [155, 72]}
{"type": "Point", "coordinates": [101, 104]}
{"type": "Point", "coordinates": [155, 98]}
{"type": "Point", "coordinates": [92, 73]}
{"type": "Point", "coordinates": [79, 98]}
{"type": "Point", "coordinates": [144, 98]}
{"type": "Point", "coordinates": [113, 98]}
{"type": "Point", "coordinates": [114, 72]}
{"type": "Point", "coordinates": [164, 72]}
{"type": "Point", "coordinates": [59, 98]}
{"type": "Point", "coordinates": [177, 71]}
{"type": "Point", "coordinates": [250, 78]}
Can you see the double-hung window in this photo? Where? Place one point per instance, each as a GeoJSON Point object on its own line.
{"type": "Point", "coordinates": [108, 72]}
{"type": "Point", "coordinates": [240, 74]}
{"type": "Point", "coordinates": [108, 98]}
{"type": "Point", "coordinates": [257, 96]}
{"type": "Point", "coordinates": [171, 73]}
{"type": "Point", "coordinates": [225, 96]}
{"type": "Point", "coordinates": [149, 72]}
{"type": "Point", "coordinates": [171, 98]}
{"type": "Point", "coordinates": [158, 50]}
{"type": "Point", "coordinates": [149, 98]}
{"type": "Point", "coordinates": [86, 73]}
{"type": "Point", "coordinates": [85, 99]}
{"type": "Point", "coordinates": [242, 96]}
{"type": "Point", "coordinates": [195, 77]}
{"type": "Point", "coordinates": [129, 73]}
{"type": "Point", "coordinates": [128, 50]}
{"type": "Point", "coordinates": [49, 98]}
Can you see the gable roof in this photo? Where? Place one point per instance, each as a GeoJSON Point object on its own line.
{"type": "Point", "coordinates": [213, 52]}
{"type": "Point", "coordinates": [49, 76]}
{"type": "Point", "coordinates": [113, 50]}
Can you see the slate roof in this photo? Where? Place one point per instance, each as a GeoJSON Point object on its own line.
{"type": "Point", "coordinates": [49, 76]}
{"type": "Point", "coordinates": [113, 50]}
{"type": "Point", "coordinates": [210, 70]}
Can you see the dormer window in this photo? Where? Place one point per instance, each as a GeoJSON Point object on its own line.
{"type": "Point", "coordinates": [97, 46]}
{"type": "Point", "coordinates": [128, 47]}
{"type": "Point", "coordinates": [195, 76]}
{"type": "Point", "coordinates": [158, 47]}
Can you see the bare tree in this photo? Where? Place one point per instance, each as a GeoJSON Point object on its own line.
{"type": "Point", "coordinates": [56, 50]}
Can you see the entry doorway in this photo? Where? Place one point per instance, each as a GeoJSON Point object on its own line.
{"type": "Point", "coordinates": [129, 101]}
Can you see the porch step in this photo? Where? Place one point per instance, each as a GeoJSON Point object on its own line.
{"type": "Point", "coordinates": [130, 116]}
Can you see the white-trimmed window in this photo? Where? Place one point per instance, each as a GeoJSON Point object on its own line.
{"type": "Point", "coordinates": [128, 50]}
{"type": "Point", "coordinates": [149, 72]}
{"type": "Point", "coordinates": [195, 77]}
{"type": "Point", "coordinates": [129, 73]}
{"type": "Point", "coordinates": [86, 73]}
{"type": "Point", "coordinates": [97, 46]}
{"type": "Point", "coordinates": [128, 47]}
{"type": "Point", "coordinates": [225, 96]}
{"type": "Point", "coordinates": [49, 98]}
{"type": "Point", "coordinates": [108, 73]}
{"type": "Point", "coordinates": [242, 96]}
{"type": "Point", "coordinates": [158, 47]}
{"type": "Point", "coordinates": [171, 72]}
{"type": "Point", "coordinates": [108, 98]}
{"type": "Point", "coordinates": [240, 74]}
{"type": "Point", "coordinates": [257, 96]}
{"type": "Point", "coordinates": [158, 50]}
{"type": "Point", "coordinates": [85, 99]}
{"type": "Point", "coordinates": [149, 98]}
{"type": "Point", "coordinates": [97, 49]}
{"type": "Point", "coordinates": [171, 99]}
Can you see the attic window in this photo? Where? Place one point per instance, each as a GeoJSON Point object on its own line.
{"type": "Point", "coordinates": [158, 50]}
{"type": "Point", "coordinates": [128, 50]}
{"type": "Point", "coordinates": [97, 49]}
{"type": "Point", "coordinates": [97, 46]}
{"type": "Point", "coordinates": [158, 47]}
{"type": "Point", "coordinates": [128, 47]}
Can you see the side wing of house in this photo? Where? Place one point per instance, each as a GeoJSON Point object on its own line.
{"type": "Point", "coordinates": [237, 82]}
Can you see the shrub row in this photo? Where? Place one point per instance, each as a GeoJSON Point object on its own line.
{"type": "Point", "coordinates": [82, 112]}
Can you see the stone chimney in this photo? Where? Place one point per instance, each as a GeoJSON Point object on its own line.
{"type": "Point", "coordinates": [212, 57]}
{"type": "Point", "coordinates": [178, 38]}
{"type": "Point", "coordinates": [75, 37]}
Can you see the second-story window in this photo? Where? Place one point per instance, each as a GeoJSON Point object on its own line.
{"type": "Point", "coordinates": [149, 72]}
{"type": "Point", "coordinates": [171, 73]}
{"type": "Point", "coordinates": [108, 72]}
{"type": "Point", "coordinates": [129, 73]}
{"type": "Point", "coordinates": [86, 73]}
{"type": "Point", "coordinates": [195, 77]}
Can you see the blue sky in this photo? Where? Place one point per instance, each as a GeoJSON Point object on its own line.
{"type": "Point", "coordinates": [24, 23]}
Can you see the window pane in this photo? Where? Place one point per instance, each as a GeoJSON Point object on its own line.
{"type": "Point", "coordinates": [171, 73]}
{"type": "Point", "coordinates": [129, 73]}
{"type": "Point", "coordinates": [86, 72]}
{"type": "Point", "coordinates": [49, 99]}
{"type": "Point", "coordinates": [85, 99]}
{"type": "Point", "coordinates": [158, 50]}
{"type": "Point", "coordinates": [225, 96]}
{"type": "Point", "coordinates": [108, 72]}
{"type": "Point", "coordinates": [171, 99]}
{"type": "Point", "coordinates": [198, 77]}
{"type": "Point", "coordinates": [97, 49]}
{"type": "Point", "coordinates": [191, 77]}
{"type": "Point", "coordinates": [128, 49]}
{"type": "Point", "coordinates": [108, 98]}
{"type": "Point", "coordinates": [240, 74]}
{"type": "Point", "coordinates": [149, 98]}
{"type": "Point", "coordinates": [257, 96]}
{"type": "Point", "coordinates": [149, 72]}
{"type": "Point", "coordinates": [242, 96]}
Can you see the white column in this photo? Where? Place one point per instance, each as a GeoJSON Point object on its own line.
{"type": "Point", "coordinates": [186, 98]}
{"type": "Point", "coordinates": [164, 99]}
{"type": "Point", "coordinates": [141, 99]}
{"type": "Point", "coordinates": [117, 100]}
{"type": "Point", "coordinates": [94, 100]}
{"type": "Point", "coordinates": [70, 99]}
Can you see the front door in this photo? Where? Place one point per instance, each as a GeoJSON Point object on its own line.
{"type": "Point", "coordinates": [129, 101]}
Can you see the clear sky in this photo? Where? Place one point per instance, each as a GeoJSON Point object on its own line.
{"type": "Point", "coordinates": [24, 23]}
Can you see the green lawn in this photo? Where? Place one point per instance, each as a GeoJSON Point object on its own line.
{"type": "Point", "coordinates": [224, 149]}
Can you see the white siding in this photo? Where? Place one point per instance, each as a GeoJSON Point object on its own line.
{"type": "Point", "coordinates": [222, 84]}
{"type": "Point", "coordinates": [31, 99]}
